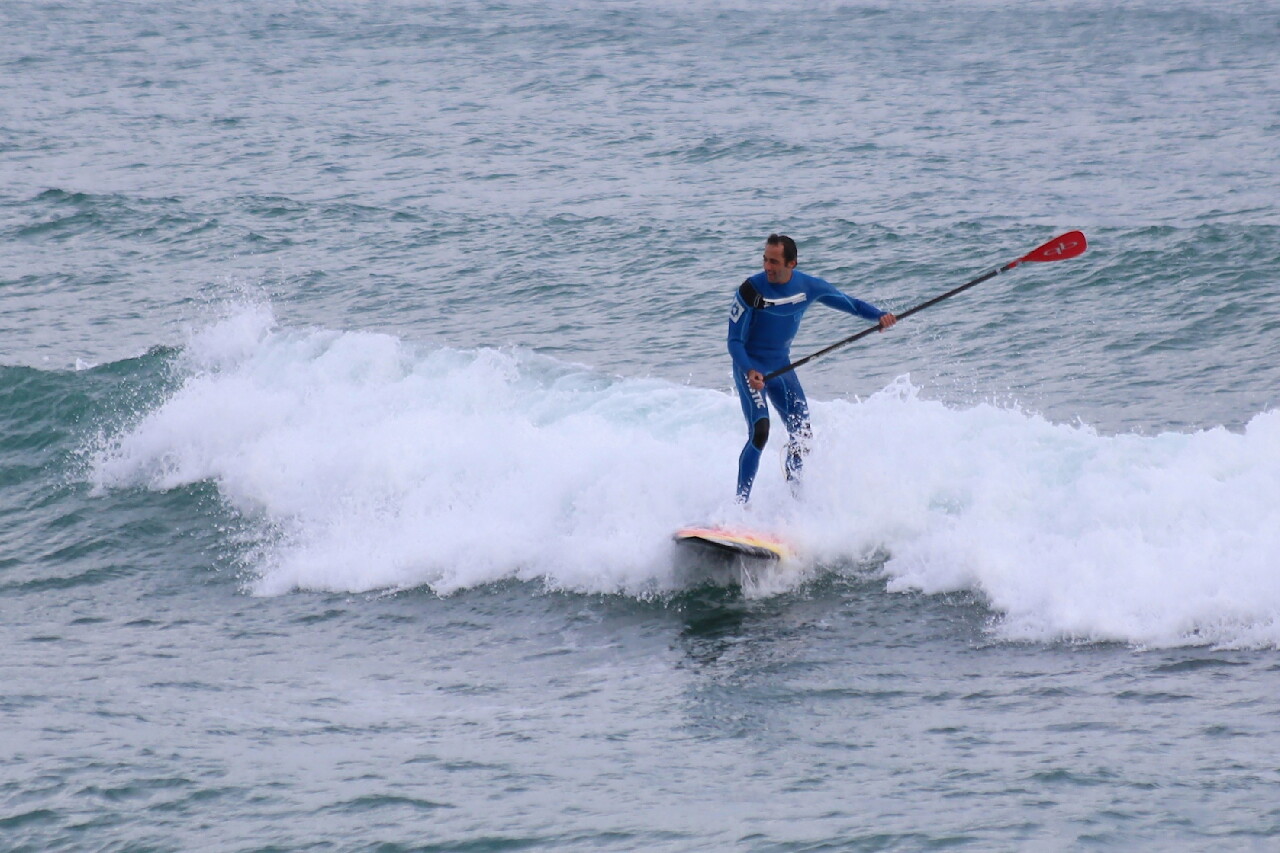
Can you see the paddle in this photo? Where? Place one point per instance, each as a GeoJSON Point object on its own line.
{"type": "Point", "coordinates": [1068, 245]}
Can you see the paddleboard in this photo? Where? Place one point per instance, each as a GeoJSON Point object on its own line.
{"type": "Point", "coordinates": [734, 541]}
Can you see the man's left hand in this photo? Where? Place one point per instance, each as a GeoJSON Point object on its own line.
{"type": "Point", "coordinates": [887, 320]}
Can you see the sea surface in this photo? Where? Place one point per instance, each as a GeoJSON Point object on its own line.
{"type": "Point", "coordinates": [358, 359]}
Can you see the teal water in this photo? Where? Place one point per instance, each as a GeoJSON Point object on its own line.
{"type": "Point", "coordinates": [358, 361]}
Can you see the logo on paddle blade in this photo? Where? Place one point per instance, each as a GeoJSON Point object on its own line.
{"type": "Point", "coordinates": [1064, 246]}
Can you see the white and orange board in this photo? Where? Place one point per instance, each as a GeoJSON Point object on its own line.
{"type": "Point", "coordinates": [734, 541]}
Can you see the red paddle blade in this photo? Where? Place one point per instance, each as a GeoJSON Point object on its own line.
{"type": "Point", "coordinates": [1059, 248]}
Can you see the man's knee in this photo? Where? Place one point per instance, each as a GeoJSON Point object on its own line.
{"type": "Point", "coordinates": [798, 424]}
{"type": "Point", "coordinates": [760, 433]}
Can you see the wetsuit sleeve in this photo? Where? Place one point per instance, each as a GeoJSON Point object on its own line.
{"type": "Point", "coordinates": [827, 294]}
{"type": "Point", "coordinates": [739, 325]}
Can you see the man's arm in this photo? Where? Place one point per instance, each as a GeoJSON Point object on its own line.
{"type": "Point", "coordinates": [828, 294]}
{"type": "Point", "coordinates": [739, 326]}
{"type": "Point", "coordinates": [846, 303]}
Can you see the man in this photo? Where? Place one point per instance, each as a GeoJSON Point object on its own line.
{"type": "Point", "coordinates": [764, 319]}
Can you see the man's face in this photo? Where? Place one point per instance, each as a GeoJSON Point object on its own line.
{"type": "Point", "coordinates": [776, 269]}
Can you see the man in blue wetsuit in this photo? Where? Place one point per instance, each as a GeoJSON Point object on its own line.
{"type": "Point", "coordinates": [764, 319]}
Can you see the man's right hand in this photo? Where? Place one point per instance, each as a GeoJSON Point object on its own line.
{"type": "Point", "coordinates": [755, 380]}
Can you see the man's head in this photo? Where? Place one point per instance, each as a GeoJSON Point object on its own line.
{"type": "Point", "coordinates": [779, 258]}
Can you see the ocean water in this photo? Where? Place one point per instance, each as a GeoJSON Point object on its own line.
{"type": "Point", "coordinates": [358, 359]}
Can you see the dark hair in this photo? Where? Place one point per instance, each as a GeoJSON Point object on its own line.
{"type": "Point", "coordinates": [788, 245]}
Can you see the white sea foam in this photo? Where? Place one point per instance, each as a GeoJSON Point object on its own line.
{"type": "Point", "coordinates": [1160, 540]}
{"type": "Point", "coordinates": [372, 464]}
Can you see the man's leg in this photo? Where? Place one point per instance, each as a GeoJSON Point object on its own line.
{"type": "Point", "coordinates": [756, 413]}
{"type": "Point", "coordinates": [788, 398]}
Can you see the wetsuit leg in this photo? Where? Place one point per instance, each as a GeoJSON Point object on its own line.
{"type": "Point", "coordinates": [788, 399]}
{"type": "Point", "coordinates": [756, 412]}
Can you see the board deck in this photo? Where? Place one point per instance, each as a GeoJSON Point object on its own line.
{"type": "Point", "coordinates": [735, 541]}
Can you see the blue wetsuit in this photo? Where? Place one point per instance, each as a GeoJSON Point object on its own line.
{"type": "Point", "coordinates": [762, 323]}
